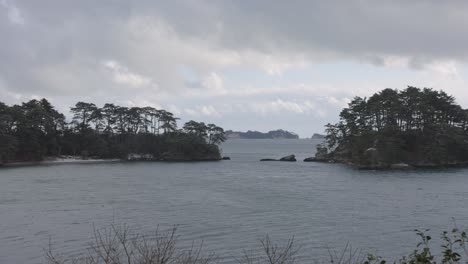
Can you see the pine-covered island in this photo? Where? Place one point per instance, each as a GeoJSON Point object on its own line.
{"type": "Point", "coordinates": [35, 131]}
{"type": "Point", "coordinates": [274, 134]}
{"type": "Point", "coordinates": [410, 128]}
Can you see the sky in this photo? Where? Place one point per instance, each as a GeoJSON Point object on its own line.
{"type": "Point", "coordinates": [243, 65]}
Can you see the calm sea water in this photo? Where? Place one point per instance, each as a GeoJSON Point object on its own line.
{"type": "Point", "coordinates": [229, 205]}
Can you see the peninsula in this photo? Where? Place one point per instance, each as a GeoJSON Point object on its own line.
{"type": "Point", "coordinates": [35, 131]}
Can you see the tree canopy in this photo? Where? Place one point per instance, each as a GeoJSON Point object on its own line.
{"type": "Point", "coordinates": [418, 126]}
{"type": "Point", "coordinates": [35, 129]}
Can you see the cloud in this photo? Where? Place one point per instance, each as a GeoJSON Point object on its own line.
{"type": "Point", "coordinates": [7, 94]}
{"type": "Point", "coordinates": [209, 110]}
{"type": "Point", "coordinates": [279, 106]}
{"type": "Point", "coordinates": [213, 82]}
{"type": "Point", "coordinates": [173, 109]}
{"type": "Point", "coordinates": [122, 75]}
{"type": "Point", "coordinates": [205, 110]}
{"type": "Point", "coordinates": [318, 30]}
{"type": "Point", "coordinates": [13, 13]}
{"type": "Point", "coordinates": [150, 42]}
{"type": "Point", "coordinates": [448, 69]}
{"type": "Point", "coordinates": [250, 58]}
{"type": "Point", "coordinates": [340, 102]}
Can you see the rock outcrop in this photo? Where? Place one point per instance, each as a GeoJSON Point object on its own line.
{"type": "Point", "coordinates": [289, 158]}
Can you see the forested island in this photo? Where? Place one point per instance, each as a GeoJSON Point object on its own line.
{"type": "Point", "coordinates": [274, 134]}
{"type": "Point", "coordinates": [397, 129]}
{"type": "Point", "coordinates": [318, 136]}
{"type": "Point", "coordinates": [35, 130]}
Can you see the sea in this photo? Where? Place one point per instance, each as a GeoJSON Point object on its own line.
{"type": "Point", "coordinates": [230, 206]}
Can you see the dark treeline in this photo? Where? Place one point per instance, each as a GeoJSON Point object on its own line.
{"type": "Point", "coordinates": [35, 130]}
{"type": "Point", "coordinates": [414, 126]}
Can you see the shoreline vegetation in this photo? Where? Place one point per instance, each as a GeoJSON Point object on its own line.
{"type": "Point", "coordinates": [36, 133]}
{"type": "Point", "coordinates": [411, 128]}
{"type": "Point", "coordinates": [120, 244]}
{"type": "Point", "coordinates": [407, 129]}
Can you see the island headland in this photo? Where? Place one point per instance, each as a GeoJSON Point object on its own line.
{"type": "Point", "coordinates": [398, 129]}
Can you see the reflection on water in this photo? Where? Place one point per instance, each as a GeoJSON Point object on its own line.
{"type": "Point", "coordinates": [229, 204]}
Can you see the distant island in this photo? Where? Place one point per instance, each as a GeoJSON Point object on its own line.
{"type": "Point", "coordinates": [399, 129]}
{"type": "Point", "coordinates": [36, 132]}
{"type": "Point", "coordinates": [274, 134]}
{"type": "Point", "coordinates": [318, 136]}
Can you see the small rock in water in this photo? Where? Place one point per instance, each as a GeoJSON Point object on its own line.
{"type": "Point", "coordinates": [289, 158]}
{"type": "Point", "coordinates": [311, 159]}
{"type": "Point", "coordinates": [286, 158]}
{"type": "Point", "coordinates": [226, 158]}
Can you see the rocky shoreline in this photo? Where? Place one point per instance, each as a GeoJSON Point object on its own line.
{"type": "Point", "coordinates": [171, 157]}
{"type": "Point", "coordinates": [57, 161]}
{"type": "Point", "coordinates": [373, 163]}
{"type": "Point", "coordinates": [133, 157]}
{"type": "Point", "coordinates": [393, 166]}
{"type": "Point", "coordinates": [320, 158]}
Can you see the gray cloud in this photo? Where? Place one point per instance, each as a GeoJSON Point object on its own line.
{"type": "Point", "coordinates": [132, 52]}
{"type": "Point", "coordinates": [421, 29]}
{"type": "Point", "coordinates": [140, 33]}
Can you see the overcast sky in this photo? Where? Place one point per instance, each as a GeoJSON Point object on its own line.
{"type": "Point", "coordinates": [256, 64]}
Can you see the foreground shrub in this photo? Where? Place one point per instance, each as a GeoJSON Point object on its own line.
{"type": "Point", "coordinates": [119, 245]}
